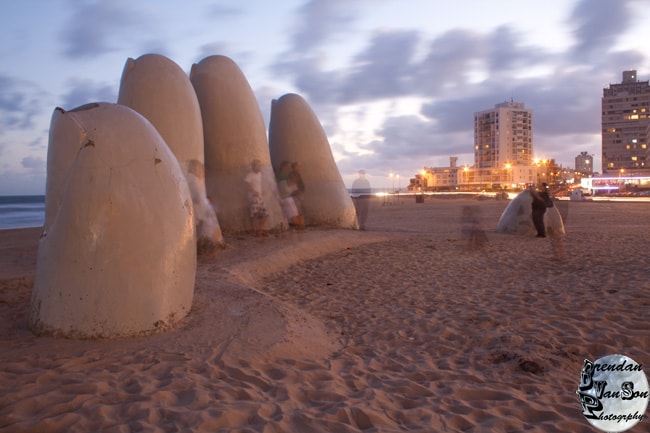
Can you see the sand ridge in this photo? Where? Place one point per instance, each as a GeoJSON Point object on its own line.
{"type": "Point", "coordinates": [401, 328]}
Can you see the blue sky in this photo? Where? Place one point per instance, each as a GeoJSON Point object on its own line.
{"type": "Point", "coordinates": [395, 83]}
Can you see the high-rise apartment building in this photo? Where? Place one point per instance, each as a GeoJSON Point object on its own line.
{"type": "Point", "coordinates": [625, 121]}
{"type": "Point", "coordinates": [584, 164]}
{"type": "Point", "coordinates": [503, 136]}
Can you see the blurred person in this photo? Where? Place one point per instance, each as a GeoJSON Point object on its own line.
{"type": "Point", "coordinates": [287, 187]}
{"type": "Point", "coordinates": [361, 192]}
{"type": "Point", "coordinates": [208, 231]}
{"type": "Point", "coordinates": [296, 178]}
{"type": "Point", "coordinates": [471, 228]}
{"type": "Point", "coordinates": [296, 175]}
{"type": "Point", "coordinates": [257, 208]}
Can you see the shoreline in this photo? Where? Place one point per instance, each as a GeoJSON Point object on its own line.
{"type": "Point", "coordinates": [390, 198]}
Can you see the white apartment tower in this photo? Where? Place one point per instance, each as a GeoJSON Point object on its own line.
{"type": "Point", "coordinates": [625, 123]}
{"type": "Point", "coordinates": [503, 136]}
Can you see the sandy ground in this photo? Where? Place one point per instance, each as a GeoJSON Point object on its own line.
{"type": "Point", "coordinates": [403, 327]}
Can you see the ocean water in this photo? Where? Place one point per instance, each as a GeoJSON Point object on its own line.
{"type": "Point", "coordinates": [20, 211]}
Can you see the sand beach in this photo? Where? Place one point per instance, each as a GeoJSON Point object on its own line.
{"type": "Point", "coordinates": [401, 327]}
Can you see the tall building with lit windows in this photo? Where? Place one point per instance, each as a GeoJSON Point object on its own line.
{"type": "Point", "coordinates": [584, 164]}
{"type": "Point", "coordinates": [625, 121]}
{"type": "Point", "coordinates": [503, 136]}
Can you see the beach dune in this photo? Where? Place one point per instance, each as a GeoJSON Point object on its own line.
{"type": "Point", "coordinates": [398, 328]}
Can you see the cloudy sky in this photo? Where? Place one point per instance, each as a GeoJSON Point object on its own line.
{"type": "Point", "coordinates": [395, 83]}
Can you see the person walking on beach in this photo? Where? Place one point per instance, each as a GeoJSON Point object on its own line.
{"type": "Point", "coordinates": [257, 208]}
{"type": "Point", "coordinates": [298, 194]}
{"type": "Point", "coordinates": [287, 187]}
{"type": "Point", "coordinates": [361, 196]}
{"type": "Point", "coordinates": [541, 200]}
{"type": "Point", "coordinates": [296, 177]}
{"type": "Point", "coordinates": [476, 236]}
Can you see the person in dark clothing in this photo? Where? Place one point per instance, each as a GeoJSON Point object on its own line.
{"type": "Point", "coordinates": [541, 200]}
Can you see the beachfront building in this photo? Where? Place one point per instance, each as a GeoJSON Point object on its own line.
{"type": "Point", "coordinates": [503, 146]}
{"type": "Point", "coordinates": [503, 157]}
{"type": "Point", "coordinates": [503, 135]}
{"type": "Point", "coordinates": [467, 178]}
{"type": "Point", "coordinates": [472, 178]}
{"type": "Point", "coordinates": [584, 164]}
{"type": "Point", "coordinates": [647, 138]}
{"type": "Point", "coordinates": [625, 127]}
{"type": "Point", "coordinates": [436, 178]}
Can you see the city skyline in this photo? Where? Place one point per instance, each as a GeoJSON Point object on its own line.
{"type": "Point", "coordinates": [395, 84]}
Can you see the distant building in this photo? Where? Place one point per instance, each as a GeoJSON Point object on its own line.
{"type": "Point", "coordinates": [503, 156]}
{"type": "Point", "coordinates": [503, 147]}
{"type": "Point", "coordinates": [436, 178]}
{"type": "Point", "coordinates": [625, 126]}
{"type": "Point", "coordinates": [503, 135]}
{"type": "Point", "coordinates": [647, 139]}
{"type": "Point", "coordinates": [468, 178]}
{"type": "Point", "coordinates": [584, 164]}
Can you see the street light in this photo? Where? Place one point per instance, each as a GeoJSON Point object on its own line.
{"type": "Point", "coordinates": [544, 163]}
{"type": "Point", "coordinates": [508, 173]}
{"type": "Point", "coordinates": [621, 182]}
{"type": "Point", "coordinates": [465, 174]}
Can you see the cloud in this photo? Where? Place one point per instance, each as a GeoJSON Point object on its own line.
{"type": "Point", "coordinates": [83, 91]}
{"type": "Point", "coordinates": [320, 20]}
{"type": "Point", "coordinates": [388, 67]}
{"type": "Point", "coordinates": [33, 163]}
{"type": "Point", "coordinates": [463, 72]}
{"type": "Point", "coordinates": [505, 53]}
{"type": "Point", "coordinates": [19, 104]}
{"type": "Point", "coordinates": [224, 11]}
{"type": "Point", "coordinates": [311, 80]}
{"type": "Point", "coordinates": [455, 115]}
{"type": "Point", "coordinates": [157, 46]}
{"type": "Point", "coordinates": [94, 24]}
{"type": "Point", "coordinates": [564, 104]}
{"type": "Point", "coordinates": [598, 24]}
{"type": "Point", "coordinates": [228, 49]}
{"type": "Point", "coordinates": [384, 69]}
{"type": "Point", "coordinates": [264, 96]}
{"type": "Point", "coordinates": [39, 142]}
{"type": "Point", "coordinates": [316, 23]}
{"type": "Point", "coordinates": [447, 63]}
{"type": "Point", "coordinates": [451, 74]}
